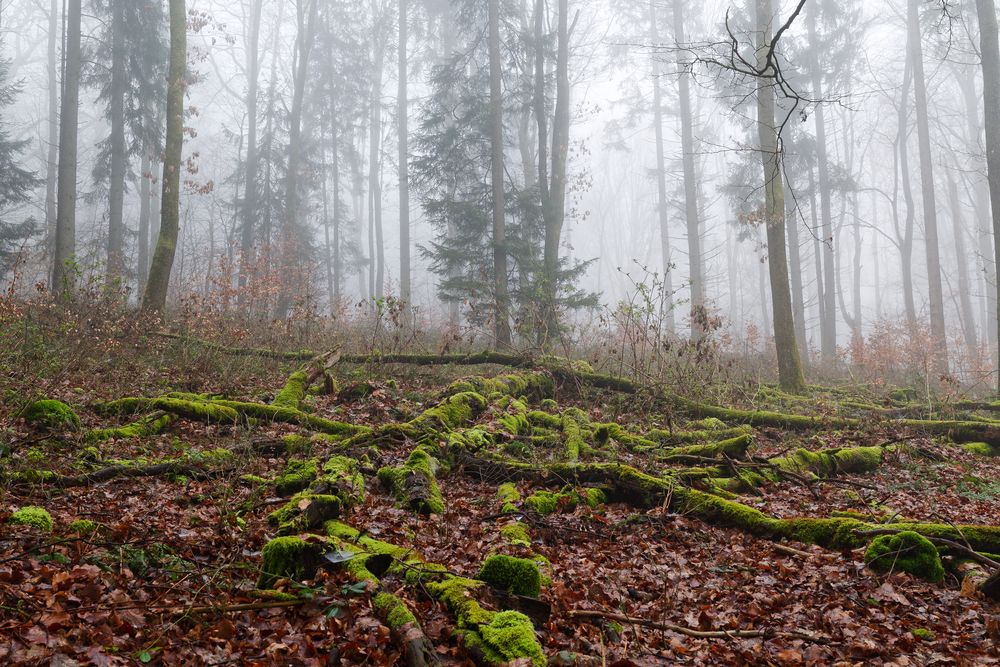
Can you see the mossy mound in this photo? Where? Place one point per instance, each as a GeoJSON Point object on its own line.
{"type": "Point", "coordinates": [510, 636]}
{"type": "Point", "coordinates": [517, 534]}
{"type": "Point", "coordinates": [83, 527]}
{"type": "Point", "coordinates": [36, 517]}
{"type": "Point", "coordinates": [519, 576]}
{"type": "Point", "coordinates": [905, 552]}
{"type": "Point", "coordinates": [982, 449]}
{"type": "Point", "coordinates": [50, 413]}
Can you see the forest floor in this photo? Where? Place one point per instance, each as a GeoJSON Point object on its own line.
{"type": "Point", "coordinates": [168, 571]}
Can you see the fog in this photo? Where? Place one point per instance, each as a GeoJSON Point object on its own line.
{"type": "Point", "coordinates": [878, 170]}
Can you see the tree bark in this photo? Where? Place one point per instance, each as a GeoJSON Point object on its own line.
{"type": "Point", "coordinates": [906, 239]}
{"type": "Point", "coordinates": [404, 158]}
{"type": "Point", "coordinates": [555, 212]}
{"type": "Point", "coordinates": [935, 291]}
{"type": "Point", "coordinates": [501, 299]}
{"type": "Point", "coordinates": [789, 367]}
{"type": "Point", "coordinates": [52, 161]}
{"type": "Point", "coordinates": [691, 212]}
{"type": "Point", "coordinates": [154, 299]}
{"type": "Point", "coordinates": [142, 267]}
{"type": "Point", "coordinates": [662, 215]}
{"type": "Point", "coordinates": [116, 186]}
{"type": "Point", "coordinates": [376, 271]}
{"type": "Point", "coordinates": [292, 235]}
{"type": "Point", "coordinates": [964, 284]}
{"type": "Point", "coordinates": [990, 51]}
{"type": "Point", "coordinates": [65, 245]}
{"type": "Point", "coordinates": [828, 323]}
{"type": "Point", "coordinates": [248, 225]}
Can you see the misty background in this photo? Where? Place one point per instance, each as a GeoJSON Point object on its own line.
{"type": "Point", "coordinates": [647, 89]}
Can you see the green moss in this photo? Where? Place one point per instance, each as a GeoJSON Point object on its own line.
{"type": "Point", "coordinates": [517, 534]}
{"type": "Point", "coordinates": [549, 404]}
{"type": "Point", "coordinates": [515, 575]}
{"type": "Point", "coordinates": [341, 477]}
{"type": "Point", "coordinates": [534, 385]}
{"type": "Point", "coordinates": [508, 493]}
{"type": "Point", "coordinates": [293, 392]}
{"type": "Point", "coordinates": [707, 424]}
{"type": "Point", "coordinates": [298, 474]}
{"type": "Point", "coordinates": [510, 636]}
{"type": "Point", "coordinates": [546, 502]}
{"type": "Point", "coordinates": [82, 527]}
{"type": "Point", "coordinates": [393, 610]}
{"type": "Point", "coordinates": [734, 447]}
{"type": "Point", "coordinates": [51, 414]}
{"type": "Point", "coordinates": [271, 594]}
{"type": "Point", "coordinates": [923, 633]}
{"type": "Point", "coordinates": [593, 498]}
{"type": "Point", "coordinates": [36, 517]}
{"type": "Point", "coordinates": [289, 415]}
{"type": "Point", "coordinates": [905, 552]}
{"type": "Point", "coordinates": [982, 449]}
{"type": "Point", "coordinates": [414, 483]}
{"type": "Point", "coordinates": [287, 558]}
{"type": "Point", "coordinates": [304, 512]}
{"type": "Point", "coordinates": [147, 426]}
{"type": "Point", "coordinates": [544, 419]}
{"type": "Point", "coordinates": [453, 412]}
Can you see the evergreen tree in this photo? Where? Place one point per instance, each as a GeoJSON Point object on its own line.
{"type": "Point", "coordinates": [451, 171]}
{"type": "Point", "coordinates": [127, 66]}
{"type": "Point", "coordinates": [16, 182]}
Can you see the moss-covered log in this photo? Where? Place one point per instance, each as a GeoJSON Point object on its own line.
{"type": "Point", "coordinates": [627, 484]}
{"type": "Point", "coordinates": [534, 385]}
{"type": "Point", "coordinates": [414, 483]}
{"type": "Point", "coordinates": [493, 638]}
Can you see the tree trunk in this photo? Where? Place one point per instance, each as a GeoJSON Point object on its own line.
{"type": "Point", "coordinates": [795, 265]}
{"type": "Point", "coordinates": [65, 245]}
{"type": "Point", "coordinates": [249, 214]}
{"type": "Point", "coordinates": [52, 161]}
{"type": "Point", "coordinates": [116, 187]}
{"type": "Point", "coordinates": [154, 299]}
{"type": "Point", "coordinates": [404, 157]}
{"type": "Point", "coordinates": [142, 268]}
{"type": "Point", "coordinates": [662, 205]}
{"type": "Point", "coordinates": [293, 238]}
{"type": "Point", "coordinates": [691, 213]}
{"type": "Point", "coordinates": [981, 201]}
{"type": "Point", "coordinates": [964, 283]}
{"type": "Point", "coordinates": [789, 367]}
{"type": "Point", "coordinates": [501, 312]}
{"type": "Point", "coordinates": [991, 100]}
{"type": "Point", "coordinates": [906, 240]}
{"type": "Point", "coordinates": [376, 271]}
{"type": "Point", "coordinates": [936, 294]}
{"type": "Point", "coordinates": [828, 325]}
{"type": "Point", "coordinates": [556, 209]}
